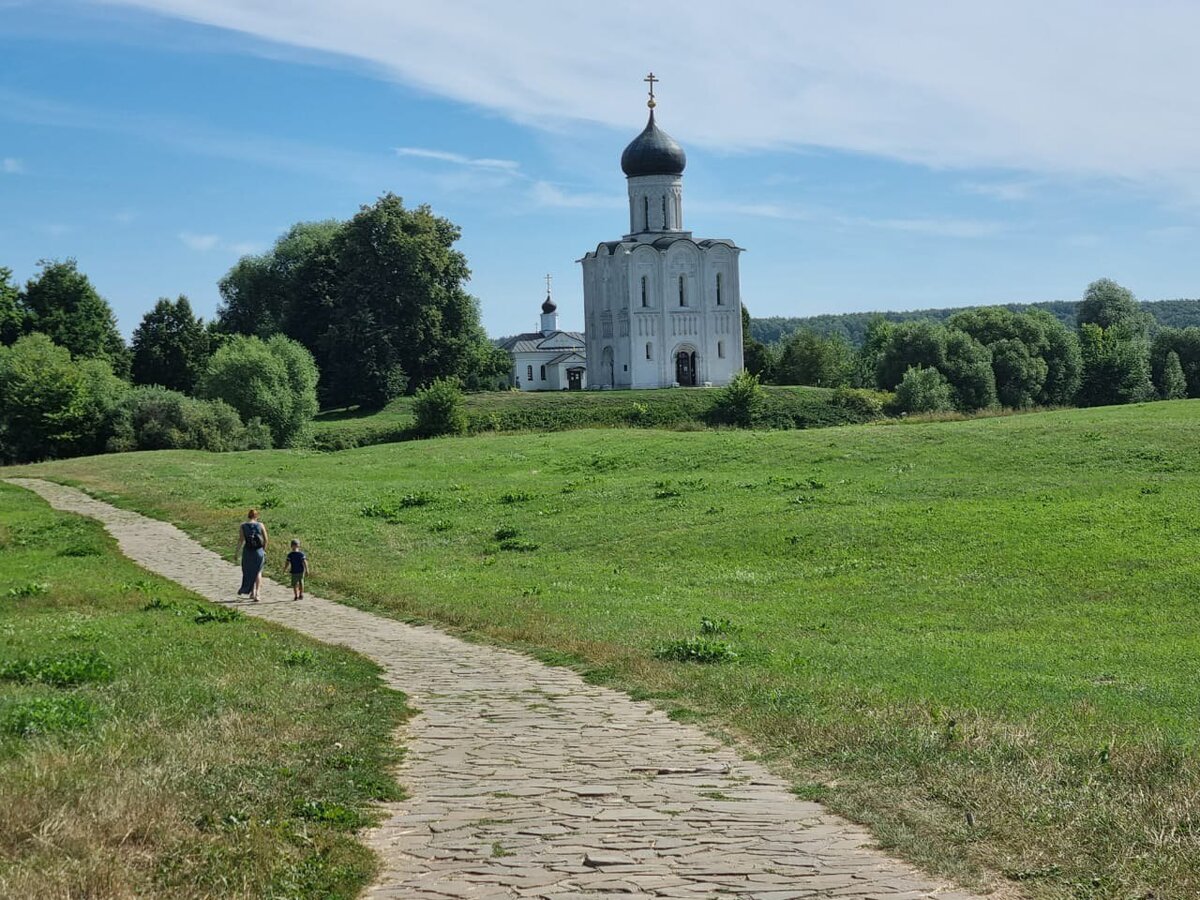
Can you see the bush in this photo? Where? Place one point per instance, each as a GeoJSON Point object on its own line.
{"type": "Point", "coordinates": [440, 409]}
{"type": "Point", "coordinates": [741, 402]}
{"type": "Point", "coordinates": [864, 404]}
{"type": "Point", "coordinates": [274, 381]}
{"type": "Point", "coordinates": [154, 418]}
{"type": "Point", "coordinates": [924, 389]}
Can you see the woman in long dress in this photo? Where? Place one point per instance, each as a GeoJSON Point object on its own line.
{"type": "Point", "coordinates": [252, 542]}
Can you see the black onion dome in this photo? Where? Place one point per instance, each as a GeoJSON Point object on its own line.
{"type": "Point", "coordinates": [653, 152]}
{"type": "Point", "coordinates": [548, 305]}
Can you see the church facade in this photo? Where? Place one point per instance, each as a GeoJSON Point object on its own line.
{"type": "Point", "coordinates": [661, 308]}
{"type": "Point", "coordinates": [549, 359]}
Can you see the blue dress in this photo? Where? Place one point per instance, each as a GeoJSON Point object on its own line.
{"type": "Point", "coordinates": [253, 559]}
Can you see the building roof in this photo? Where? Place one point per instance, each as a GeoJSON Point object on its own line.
{"type": "Point", "coordinates": [548, 305]}
{"type": "Point", "coordinates": [653, 152]}
{"type": "Point", "coordinates": [535, 341]}
{"type": "Point", "coordinates": [569, 356]}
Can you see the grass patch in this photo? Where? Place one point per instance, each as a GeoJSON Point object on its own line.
{"type": "Point", "coordinates": [987, 617]}
{"type": "Point", "coordinates": [697, 650]}
{"type": "Point", "coordinates": [142, 755]}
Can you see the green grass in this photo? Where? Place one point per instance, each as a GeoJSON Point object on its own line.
{"type": "Point", "coordinates": [786, 407]}
{"type": "Point", "coordinates": [977, 637]}
{"type": "Point", "coordinates": [151, 744]}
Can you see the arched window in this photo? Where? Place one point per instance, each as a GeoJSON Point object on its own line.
{"type": "Point", "coordinates": [645, 295]}
{"type": "Point", "coordinates": [529, 373]}
{"type": "Point", "coordinates": [719, 299]}
{"type": "Point", "coordinates": [721, 349]}
{"type": "Point", "coordinates": [682, 295]}
{"type": "Point", "coordinates": [649, 355]}
{"type": "Point", "coordinates": [645, 214]}
{"type": "Point", "coordinates": [543, 373]}
{"type": "Point", "coordinates": [664, 200]}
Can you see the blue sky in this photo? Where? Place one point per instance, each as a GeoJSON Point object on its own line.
{"type": "Point", "coordinates": [868, 155]}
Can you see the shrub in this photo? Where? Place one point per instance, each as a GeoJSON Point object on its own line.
{"type": "Point", "coordinates": [864, 404]}
{"type": "Point", "coordinates": [741, 402]}
{"type": "Point", "coordinates": [924, 390]}
{"type": "Point", "coordinates": [440, 409]}
{"type": "Point", "coordinates": [154, 418]}
{"type": "Point", "coordinates": [1174, 384]}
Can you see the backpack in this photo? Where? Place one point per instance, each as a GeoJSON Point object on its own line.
{"type": "Point", "coordinates": [254, 535]}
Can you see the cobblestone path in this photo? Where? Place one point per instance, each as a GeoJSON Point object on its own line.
{"type": "Point", "coordinates": [528, 782]}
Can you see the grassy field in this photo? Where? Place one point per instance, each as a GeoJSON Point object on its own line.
{"type": "Point", "coordinates": [498, 411]}
{"type": "Point", "coordinates": [151, 745]}
{"type": "Point", "coordinates": [977, 637]}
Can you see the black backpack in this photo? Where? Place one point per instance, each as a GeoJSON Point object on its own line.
{"type": "Point", "coordinates": [254, 535]}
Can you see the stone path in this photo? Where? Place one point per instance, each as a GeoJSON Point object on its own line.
{"type": "Point", "coordinates": [528, 782]}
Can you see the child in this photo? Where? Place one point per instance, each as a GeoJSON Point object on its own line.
{"type": "Point", "coordinates": [297, 565]}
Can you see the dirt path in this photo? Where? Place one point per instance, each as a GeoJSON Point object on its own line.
{"type": "Point", "coordinates": [528, 782]}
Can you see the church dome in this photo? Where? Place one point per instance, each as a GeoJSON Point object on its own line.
{"type": "Point", "coordinates": [653, 152]}
{"type": "Point", "coordinates": [548, 306]}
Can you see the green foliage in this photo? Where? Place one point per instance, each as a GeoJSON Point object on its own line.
{"type": "Point", "coordinates": [741, 402]}
{"type": "Point", "coordinates": [1174, 384]}
{"type": "Point", "coordinates": [52, 406]}
{"type": "Point", "coordinates": [1035, 359]}
{"type": "Point", "coordinates": [211, 612]}
{"type": "Point", "coordinates": [808, 358]}
{"type": "Point", "coordinates": [1185, 344]}
{"type": "Point", "coordinates": [12, 312]}
{"type": "Point", "coordinates": [1107, 304]}
{"type": "Point", "coordinates": [273, 381]}
{"type": "Point", "coordinates": [923, 390]}
{"type": "Point", "coordinates": [45, 715]}
{"type": "Point", "coordinates": [964, 362]}
{"type": "Point", "coordinates": [65, 670]}
{"type": "Point", "coordinates": [756, 356]}
{"type": "Point", "coordinates": [170, 347]}
{"type": "Point", "coordinates": [865, 405]}
{"type": "Point", "coordinates": [439, 409]}
{"type": "Point", "coordinates": [1116, 366]}
{"type": "Point", "coordinates": [696, 650]}
{"type": "Point", "coordinates": [61, 303]}
{"type": "Point", "coordinates": [154, 418]}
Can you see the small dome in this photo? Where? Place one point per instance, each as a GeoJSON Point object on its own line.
{"type": "Point", "coordinates": [653, 152]}
{"type": "Point", "coordinates": [548, 306]}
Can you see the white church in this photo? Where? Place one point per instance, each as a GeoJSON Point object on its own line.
{"type": "Point", "coordinates": [548, 359]}
{"type": "Point", "coordinates": [661, 308]}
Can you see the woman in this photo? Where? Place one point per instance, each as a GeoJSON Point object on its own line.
{"type": "Point", "coordinates": [252, 541]}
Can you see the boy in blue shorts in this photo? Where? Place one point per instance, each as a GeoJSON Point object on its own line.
{"type": "Point", "coordinates": [297, 565]}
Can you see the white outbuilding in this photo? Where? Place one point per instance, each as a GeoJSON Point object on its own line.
{"type": "Point", "coordinates": [550, 359]}
{"type": "Point", "coordinates": [661, 308]}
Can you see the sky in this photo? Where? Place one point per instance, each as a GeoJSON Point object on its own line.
{"type": "Point", "coordinates": [867, 154]}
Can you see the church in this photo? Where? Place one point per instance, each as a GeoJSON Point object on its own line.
{"type": "Point", "coordinates": [661, 308]}
{"type": "Point", "coordinates": [548, 359]}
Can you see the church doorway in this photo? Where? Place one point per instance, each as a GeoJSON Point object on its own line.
{"type": "Point", "coordinates": [685, 368]}
{"type": "Point", "coordinates": [575, 379]}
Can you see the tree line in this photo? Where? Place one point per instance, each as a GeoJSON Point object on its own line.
{"type": "Point", "coordinates": [984, 357]}
{"type": "Point", "coordinates": [337, 313]}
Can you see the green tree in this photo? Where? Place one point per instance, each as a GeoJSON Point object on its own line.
{"type": "Point", "coordinates": [51, 405]}
{"type": "Point", "coordinates": [1116, 366]}
{"type": "Point", "coordinates": [1064, 364]}
{"type": "Point", "coordinates": [273, 381]}
{"type": "Point", "coordinates": [756, 357]}
{"type": "Point", "coordinates": [1020, 375]}
{"type": "Point", "coordinates": [968, 368]}
{"type": "Point", "coordinates": [440, 409]}
{"type": "Point", "coordinates": [807, 358]}
{"type": "Point", "coordinates": [1185, 344]}
{"type": "Point", "coordinates": [741, 402]}
{"type": "Point", "coordinates": [1174, 385]}
{"type": "Point", "coordinates": [12, 312]}
{"type": "Point", "coordinates": [965, 363]}
{"type": "Point", "coordinates": [1108, 304]}
{"type": "Point", "coordinates": [170, 346]}
{"type": "Point", "coordinates": [155, 418]}
{"type": "Point", "coordinates": [924, 389]}
{"type": "Point", "coordinates": [62, 304]}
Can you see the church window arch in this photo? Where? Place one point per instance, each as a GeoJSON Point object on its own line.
{"type": "Point", "coordinates": [664, 206]}
{"type": "Point", "coordinates": [543, 373]}
{"type": "Point", "coordinates": [529, 373]}
{"type": "Point", "coordinates": [645, 213]}
{"type": "Point", "coordinates": [649, 350]}
{"type": "Point", "coordinates": [682, 292]}
{"type": "Point", "coordinates": [645, 291]}
{"type": "Point", "coordinates": [720, 299]}
{"type": "Point", "coordinates": [720, 349]}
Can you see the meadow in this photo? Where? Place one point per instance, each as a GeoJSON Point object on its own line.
{"type": "Point", "coordinates": [153, 744]}
{"type": "Point", "coordinates": [976, 637]}
{"type": "Point", "coordinates": [501, 411]}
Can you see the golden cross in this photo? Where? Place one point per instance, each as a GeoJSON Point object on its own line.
{"type": "Point", "coordinates": [650, 79]}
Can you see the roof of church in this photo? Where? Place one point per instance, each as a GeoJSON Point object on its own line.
{"type": "Point", "coordinates": [611, 247]}
{"type": "Point", "coordinates": [548, 305]}
{"type": "Point", "coordinates": [653, 152]}
{"type": "Point", "coordinates": [567, 357]}
{"type": "Point", "coordinates": [533, 341]}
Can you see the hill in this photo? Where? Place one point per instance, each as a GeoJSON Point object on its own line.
{"type": "Point", "coordinates": [853, 326]}
{"type": "Point", "coordinates": [976, 637]}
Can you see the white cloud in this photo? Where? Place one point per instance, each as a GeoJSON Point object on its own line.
{"type": "Point", "coordinates": [934, 227]}
{"type": "Point", "coordinates": [1007, 191]}
{"type": "Point", "coordinates": [11, 166]}
{"type": "Point", "coordinates": [458, 159]}
{"type": "Point", "coordinates": [546, 194]}
{"type": "Point", "coordinates": [245, 248]}
{"type": "Point", "coordinates": [1015, 84]}
{"type": "Point", "coordinates": [200, 242]}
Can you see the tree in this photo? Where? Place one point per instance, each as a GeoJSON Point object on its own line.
{"type": "Point", "coordinates": [1108, 304]}
{"type": "Point", "coordinates": [1064, 365]}
{"type": "Point", "coordinates": [50, 405]}
{"type": "Point", "coordinates": [1116, 366]}
{"type": "Point", "coordinates": [12, 312]}
{"type": "Point", "coordinates": [1020, 375]}
{"type": "Point", "coordinates": [1185, 344]}
{"type": "Point", "coordinates": [756, 357]}
{"type": "Point", "coordinates": [968, 368]}
{"type": "Point", "coordinates": [924, 389]}
{"type": "Point", "coordinates": [965, 363]}
{"type": "Point", "coordinates": [155, 418]}
{"type": "Point", "coordinates": [273, 381]}
{"type": "Point", "coordinates": [170, 347]}
{"type": "Point", "coordinates": [62, 304]}
{"type": "Point", "coordinates": [741, 402]}
{"type": "Point", "coordinates": [1174, 385]}
{"type": "Point", "coordinates": [808, 358]}
{"type": "Point", "coordinates": [439, 409]}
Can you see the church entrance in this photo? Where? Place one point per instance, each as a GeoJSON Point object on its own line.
{"type": "Point", "coordinates": [685, 368]}
{"type": "Point", "coordinates": [574, 379]}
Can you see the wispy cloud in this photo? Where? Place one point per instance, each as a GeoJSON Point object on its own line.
{"type": "Point", "coordinates": [200, 242]}
{"type": "Point", "coordinates": [459, 159]}
{"type": "Point", "coordinates": [546, 194]}
{"type": "Point", "coordinates": [1007, 191]}
{"type": "Point", "coordinates": [10, 165]}
{"type": "Point", "coordinates": [946, 227]}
